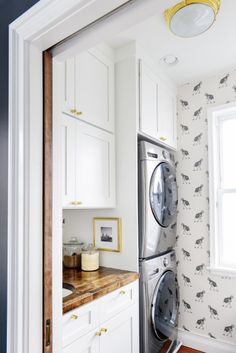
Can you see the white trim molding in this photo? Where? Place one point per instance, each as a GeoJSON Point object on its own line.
{"type": "Point", "coordinates": [216, 116]}
{"type": "Point", "coordinates": [40, 28]}
{"type": "Point", "coordinates": [204, 343]}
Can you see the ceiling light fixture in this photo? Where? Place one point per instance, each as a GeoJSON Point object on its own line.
{"type": "Point", "coordinates": [170, 60]}
{"type": "Point", "coordinates": [190, 18]}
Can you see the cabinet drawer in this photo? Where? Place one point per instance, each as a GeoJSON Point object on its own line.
{"type": "Point", "coordinates": [79, 322]}
{"type": "Point", "coordinates": [118, 300]}
{"type": "Point", "coordinates": [87, 343]}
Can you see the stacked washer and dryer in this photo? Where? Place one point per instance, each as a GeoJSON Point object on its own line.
{"type": "Point", "coordinates": [159, 299]}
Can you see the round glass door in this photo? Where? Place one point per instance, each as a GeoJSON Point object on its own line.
{"type": "Point", "coordinates": [163, 194]}
{"type": "Point", "coordinates": [165, 306]}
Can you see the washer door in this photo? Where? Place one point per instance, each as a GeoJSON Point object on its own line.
{"type": "Point", "coordinates": [165, 306]}
{"type": "Point", "coordinates": [163, 194]}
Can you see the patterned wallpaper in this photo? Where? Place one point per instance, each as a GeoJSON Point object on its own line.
{"type": "Point", "coordinates": [207, 301]}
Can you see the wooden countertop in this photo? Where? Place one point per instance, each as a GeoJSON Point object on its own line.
{"type": "Point", "coordinates": [92, 285]}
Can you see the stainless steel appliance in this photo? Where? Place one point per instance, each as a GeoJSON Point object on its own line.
{"type": "Point", "coordinates": [157, 236]}
{"type": "Point", "coordinates": [157, 200]}
{"type": "Point", "coordinates": [158, 304]}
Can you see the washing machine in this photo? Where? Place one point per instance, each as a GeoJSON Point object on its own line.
{"type": "Point", "coordinates": [157, 200]}
{"type": "Point", "coordinates": [159, 302]}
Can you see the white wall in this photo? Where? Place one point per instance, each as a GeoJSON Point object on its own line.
{"type": "Point", "coordinates": [194, 149]}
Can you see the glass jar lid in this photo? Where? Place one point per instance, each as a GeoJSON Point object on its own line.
{"type": "Point", "coordinates": [90, 249]}
{"type": "Point", "coordinates": [73, 242]}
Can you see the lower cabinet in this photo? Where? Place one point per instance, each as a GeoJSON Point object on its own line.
{"type": "Point", "coordinates": [120, 333]}
{"type": "Point", "coordinates": [86, 344]}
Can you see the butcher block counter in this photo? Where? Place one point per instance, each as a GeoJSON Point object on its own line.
{"type": "Point", "coordinates": [92, 285]}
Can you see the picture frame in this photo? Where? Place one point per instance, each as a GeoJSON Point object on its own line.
{"type": "Point", "coordinates": [107, 234]}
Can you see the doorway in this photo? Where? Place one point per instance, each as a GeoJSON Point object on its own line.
{"type": "Point", "coordinates": [30, 36]}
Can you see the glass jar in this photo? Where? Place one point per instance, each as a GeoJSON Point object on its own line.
{"type": "Point", "coordinates": [72, 253]}
{"type": "Point", "coordinates": [90, 258]}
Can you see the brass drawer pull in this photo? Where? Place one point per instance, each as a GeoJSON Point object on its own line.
{"type": "Point", "coordinates": [162, 138]}
{"type": "Point", "coordinates": [76, 203]}
{"type": "Point", "coordinates": [122, 292]}
{"type": "Point", "coordinates": [98, 333]}
{"type": "Point", "coordinates": [74, 317]}
{"type": "Point", "coordinates": [73, 111]}
{"type": "Point", "coordinates": [104, 330]}
{"type": "Point", "coordinates": [78, 113]}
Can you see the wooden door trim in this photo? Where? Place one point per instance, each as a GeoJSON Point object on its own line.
{"type": "Point", "coordinates": [47, 202]}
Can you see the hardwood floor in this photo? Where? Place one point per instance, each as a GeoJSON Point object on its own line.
{"type": "Point", "coordinates": [188, 350]}
{"type": "Point", "coordinates": [183, 349]}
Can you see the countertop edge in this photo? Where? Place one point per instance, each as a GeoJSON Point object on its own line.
{"type": "Point", "coordinates": [76, 300]}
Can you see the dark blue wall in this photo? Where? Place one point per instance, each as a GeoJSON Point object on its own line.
{"type": "Point", "coordinates": [9, 10]}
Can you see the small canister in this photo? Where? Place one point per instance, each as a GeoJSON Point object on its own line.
{"type": "Point", "coordinates": [72, 253]}
{"type": "Point", "coordinates": [90, 258]}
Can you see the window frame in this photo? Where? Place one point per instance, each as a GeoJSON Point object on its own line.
{"type": "Point", "coordinates": [216, 115]}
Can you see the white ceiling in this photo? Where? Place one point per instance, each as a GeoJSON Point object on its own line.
{"type": "Point", "coordinates": [205, 55]}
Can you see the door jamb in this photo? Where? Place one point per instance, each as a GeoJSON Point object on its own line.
{"type": "Point", "coordinates": [41, 27]}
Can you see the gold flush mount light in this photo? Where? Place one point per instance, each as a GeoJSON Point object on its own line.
{"type": "Point", "coordinates": [190, 18]}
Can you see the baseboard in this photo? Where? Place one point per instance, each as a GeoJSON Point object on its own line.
{"type": "Point", "coordinates": [204, 343]}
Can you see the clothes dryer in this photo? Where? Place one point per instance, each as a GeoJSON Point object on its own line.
{"type": "Point", "coordinates": [157, 200]}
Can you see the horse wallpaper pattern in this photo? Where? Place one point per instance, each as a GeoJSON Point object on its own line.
{"type": "Point", "coordinates": [207, 301]}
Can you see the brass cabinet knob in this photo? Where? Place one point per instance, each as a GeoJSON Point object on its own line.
{"type": "Point", "coordinates": [162, 138]}
{"type": "Point", "coordinates": [76, 203]}
{"type": "Point", "coordinates": [78, 113]}
{"type": "Point", "coordinates": [74, 317]}
{"type": "Point", "coordinates": [73, 111]}
{"type": "Point", "coordinates": [122, 292]}
{"type": "Point", "coordinates": [104, 330]}
{"type": "Point", "coordinates": [98, 333]}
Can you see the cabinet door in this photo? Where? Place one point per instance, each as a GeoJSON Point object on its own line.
{"type": "Point", "coordinates": [86, 344]}
{"type": "Point", "coordinates": [95, 167]}
{"type": "Point", "coordinates": [94, 89]}
{"type": "Point", "coordinates": [121, 334]}
{"type": "Point", "coordinates": [68, 159]}
{"type": "Point", "coordinates": [167, 115]}
{"type": "Point", "coordinates": [69, 86]}
{"type": "Point", "coordinates": [148, 98]}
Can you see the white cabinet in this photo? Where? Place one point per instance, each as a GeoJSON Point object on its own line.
{"type": "Point", "coordinates": [88, 165]}
{"type": "Point", "coordinates": [167, 115]}
{"type": "Point", "coordinates": [68, 148]}
{"type": "Point", "coordinates": [89, 88]}
{"type": "Point", "coordinates": [148, 101]}
{"type": "Point", "coordinates": [68, 104]}
{"type": "Point", "coordinates": [85, 330]}
{"type": "Point", "coordinates": [95, 167]}
{"type": "Point", "coordinates": [86, 344]}
{"type": "Point", "coordinates": [120, 334]}
{"type": "Point", "coordinates": [157, 114]}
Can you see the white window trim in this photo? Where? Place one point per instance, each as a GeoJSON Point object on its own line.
{"type": "Point", "coordinates": [213, 115]}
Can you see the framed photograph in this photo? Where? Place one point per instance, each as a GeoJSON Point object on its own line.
{"type": "Point", "coordinates": [107, 234]}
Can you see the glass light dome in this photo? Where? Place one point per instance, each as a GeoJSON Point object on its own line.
{"type": "Point", "coordinates": [192, 20]}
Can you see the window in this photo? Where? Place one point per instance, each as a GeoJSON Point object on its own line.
{"type": "Point", "coordinates": [222, 183]}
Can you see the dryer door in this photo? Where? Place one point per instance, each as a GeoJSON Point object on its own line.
{"type": "Point", "coordinates": [163, 194]}
{"type": "Point", "coordinates": [165, 306]}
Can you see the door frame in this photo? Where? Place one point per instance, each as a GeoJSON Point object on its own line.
{"type": "Point", "coordinates": [41, 27]}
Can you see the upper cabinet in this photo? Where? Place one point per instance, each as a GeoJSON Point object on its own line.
{"type": "Point", "coordinates": [89, 89]}
{"type": "Point", "coordinates": [88, 165]}
{"type": "Point", "coordinates": [157, 102]}
{"type": "Point", "coordinates": [148, 100]}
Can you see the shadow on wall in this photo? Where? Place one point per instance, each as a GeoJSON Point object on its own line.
{"type": "Point", "coordinates": [207, 303]}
